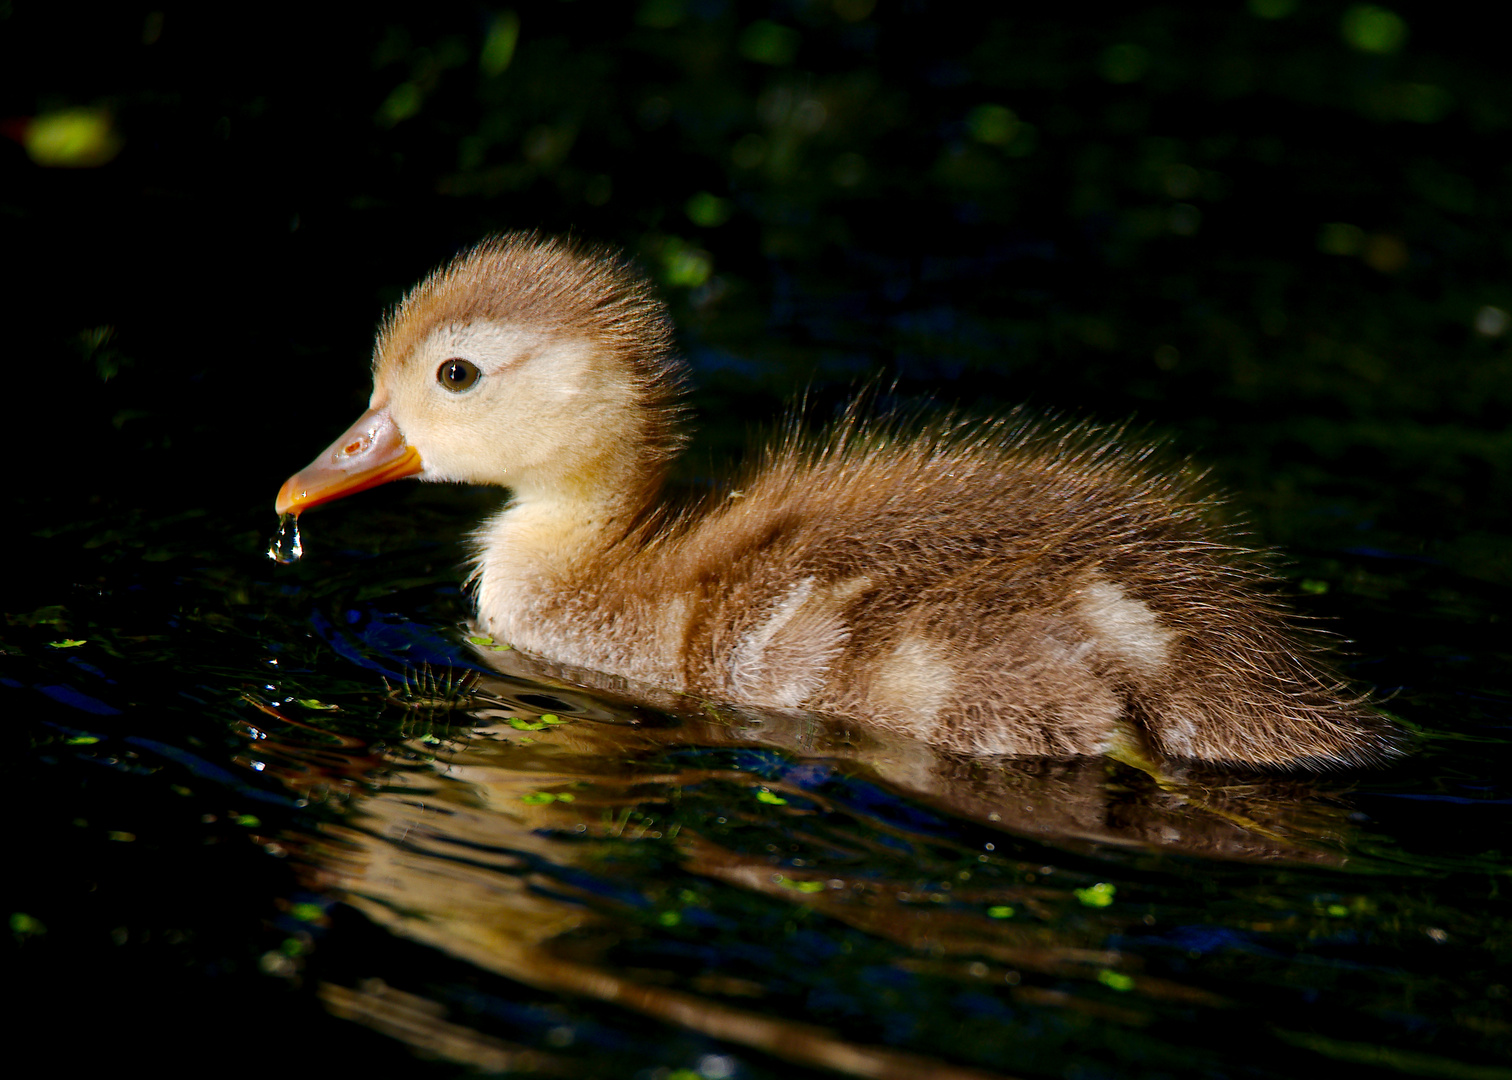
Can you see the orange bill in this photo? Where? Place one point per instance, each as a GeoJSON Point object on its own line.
{"type": "Point", "coordinates": [371, 452]}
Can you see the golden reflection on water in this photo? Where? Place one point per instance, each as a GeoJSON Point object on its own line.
{"type": "Point", "coordinates": [476, 842]}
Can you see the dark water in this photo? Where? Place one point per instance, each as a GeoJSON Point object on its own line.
{"type": "Point", "coordinates": [286, 795]}
{"type": "Point", "coordinates": [276, 818]}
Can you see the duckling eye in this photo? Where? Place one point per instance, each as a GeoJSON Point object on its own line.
{"type": "Point", "coordinates": [457, 374]}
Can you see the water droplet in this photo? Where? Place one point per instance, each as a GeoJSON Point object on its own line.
{"type": "Point", "coordinates": [286, 547]}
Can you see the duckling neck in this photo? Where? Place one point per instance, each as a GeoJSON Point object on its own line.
{"type": "Point", "coordinates": [550, 552]}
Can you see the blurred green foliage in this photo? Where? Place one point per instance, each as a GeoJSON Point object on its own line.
{"type": "Point", "coordinates": [1275, 231]}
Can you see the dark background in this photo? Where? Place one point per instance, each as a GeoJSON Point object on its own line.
{"type": "Point", "coordinates": [1225, 221]}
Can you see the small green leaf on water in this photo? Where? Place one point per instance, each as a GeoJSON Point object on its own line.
{"type": "Point", "coordinates": [82, 740]}
{"type": "Point", "coordinates": [122, 837]}
{"type": "Point", "coordinates": [1338, 911]}
{"type": "Point", "coordinates": [68, 643]}
{"type": "Point", "coordinates": [1099, 895]}
{"type": "Point", "coordinates": [307, 912]}
{"type": "Point", "coordinates": [480, 639]}
{"type": "Point", "coordinates": [766, 796]}
{"type": "Point", "coordinates": [527, 725]}
{"type": "Point", "coordinates": [551, 718]}
{"type": "Point", "coordinates": [540, 798]}
{"type": "Point", "coordinates": [1314, 587]}
{"type": "Point", "coordinates": [24, 925]}
{"type": "Point", "coordinates": [311, 703]}
{"type": "Point", "coordinates": [801, 886]}
{"type": "Point", "coordinates": [1000, 911]}
{"type": "Point", "coordinates": [247, 821]}
{"type": "Point", "coordinates": [669, 918]}
{"type": "Point", "coordinates": [1115, 980]}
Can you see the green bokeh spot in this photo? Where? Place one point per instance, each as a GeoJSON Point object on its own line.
{"type": "Point", "coordinates": [499, 45]}
{"type": "Point", "coordinates": [1272, 9]}
{"type": "Point", "coordinates": [1374, 29]}
{"type": "Point", "coordinates": [401, 104]}
{"type": "Point", "coordinates": [24, 925]}
{"type": "Point", "coordinates": [661, 14]}
{"type": "Point", "coordinates": [1124, 63]}
{"type": "Point", "coordinates": [708, 210]}
{"type": "Point", "coordinates": [993, 124]}
{"type": "Point", "coordinates": [769, 43]}
{"type": "Point", "coordinates": [72, 138]}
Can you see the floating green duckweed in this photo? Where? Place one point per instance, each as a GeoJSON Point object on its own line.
{"type": "Point", "coordinates": [541, 798]}
{"type": "Point", "coordinates": [1115, 980]}
{"type": "Point", "coordinates": [548, 720]}
{"type": "Point", "coordinates": [763, 795]}
{"type": "Point", "coordinates": [1000, 911]}
{"type": "Point", "coordinates": [1099, 895]}
{"type": "Point", "coordinates": [68, 643]}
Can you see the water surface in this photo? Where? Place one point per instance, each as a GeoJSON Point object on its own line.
{"type": "Point", "coordinates": [307, 788]}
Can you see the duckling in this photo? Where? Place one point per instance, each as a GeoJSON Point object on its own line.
{"type": "Point", "coordinates": [1005, 588]}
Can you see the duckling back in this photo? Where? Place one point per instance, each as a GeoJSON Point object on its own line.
{"type": "Point", "coordinates": [1000, 589]}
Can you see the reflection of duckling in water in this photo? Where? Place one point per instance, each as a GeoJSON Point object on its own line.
{"type": "Point", "coordinates": [992, 589]}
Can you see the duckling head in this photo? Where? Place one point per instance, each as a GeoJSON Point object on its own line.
{"type": "Point", "coordinates": [528, 363]}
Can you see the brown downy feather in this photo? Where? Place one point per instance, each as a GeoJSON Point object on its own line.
{"type": "Point", "coordinates": [997, 588]}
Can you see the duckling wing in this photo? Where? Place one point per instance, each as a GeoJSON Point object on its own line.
{"type": "Point", "coordinates": [1006, 599]}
